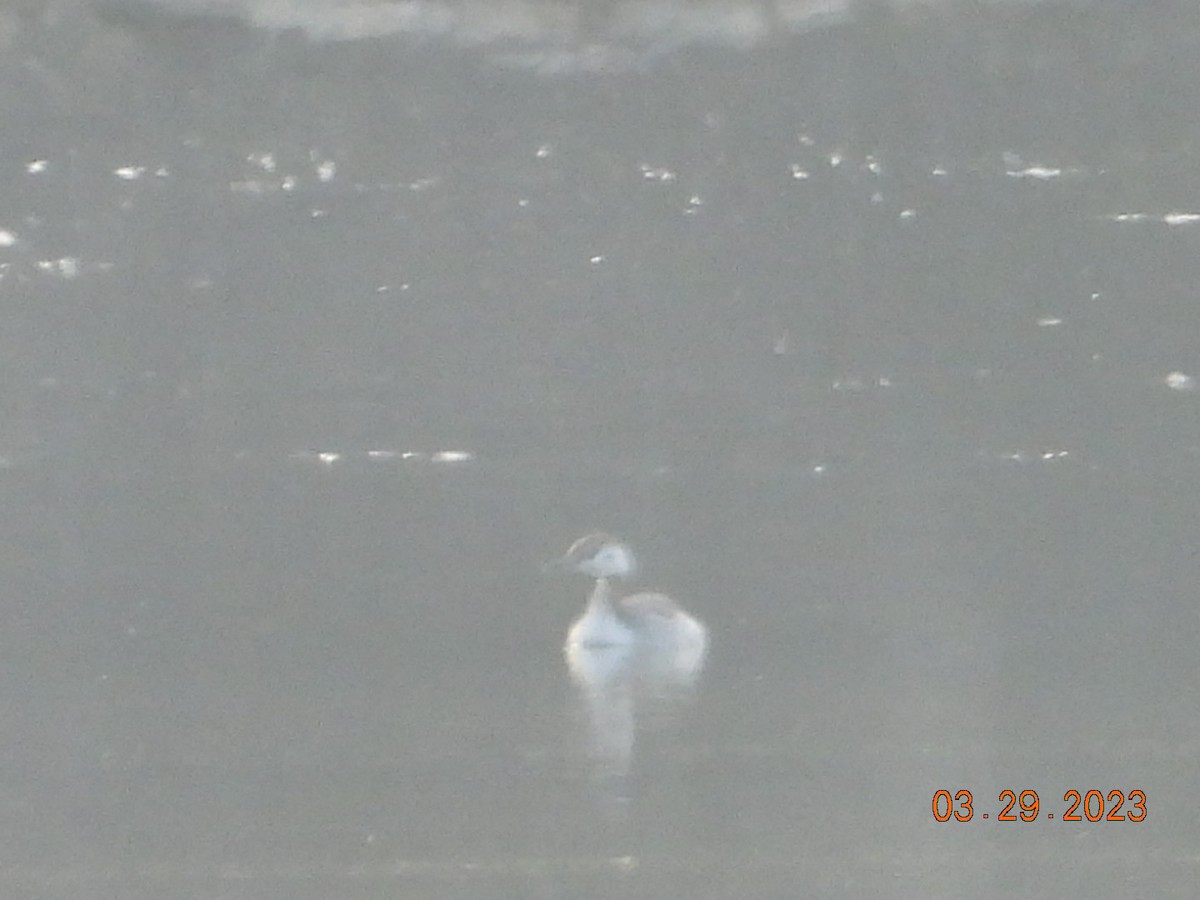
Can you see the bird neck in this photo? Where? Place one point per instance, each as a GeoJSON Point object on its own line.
{"type": "Point", "coordinates": [601, 595]}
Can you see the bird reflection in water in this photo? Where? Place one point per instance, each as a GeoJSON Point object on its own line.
{"type": "Point", "coordinates": [634, 659]}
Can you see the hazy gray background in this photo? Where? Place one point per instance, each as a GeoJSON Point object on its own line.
{"type": "Point", "coordinates": [872, 326]}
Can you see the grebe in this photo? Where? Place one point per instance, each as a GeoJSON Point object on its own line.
{"type": "Point", "coordinates": [634, 661]}
{"type": "Point", "coordinates": [649, 628]}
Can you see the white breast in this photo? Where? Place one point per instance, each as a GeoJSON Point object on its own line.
{"type": "Point", "coordinates": [600, 626]}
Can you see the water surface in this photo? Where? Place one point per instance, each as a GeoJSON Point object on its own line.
{"type": "Point", "coordinates": [875, 336]}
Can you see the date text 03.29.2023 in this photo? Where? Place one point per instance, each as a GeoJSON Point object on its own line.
{"type": "Point", "coordinates": [1092, 806]}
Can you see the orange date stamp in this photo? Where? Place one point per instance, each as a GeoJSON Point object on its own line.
{"type": "Point", "coordinates": [1026, 806]}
